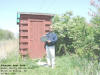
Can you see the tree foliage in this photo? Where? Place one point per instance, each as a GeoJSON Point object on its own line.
{"type": "Point", "coordinates": [75, 35]}
{"type": "Point", "coordinates": [5, 35]}
{"type": "Point", "coordinates": [95, 4]}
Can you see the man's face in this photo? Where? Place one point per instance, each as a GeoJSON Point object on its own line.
{"type": "Point", "coordinates": [50, 28]}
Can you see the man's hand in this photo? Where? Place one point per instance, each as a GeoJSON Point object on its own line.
{"type": "Point", "coordinates": [48, 41]}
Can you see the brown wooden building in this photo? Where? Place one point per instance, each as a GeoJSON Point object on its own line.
{"type": "Point", "coordinates": [31, 27]}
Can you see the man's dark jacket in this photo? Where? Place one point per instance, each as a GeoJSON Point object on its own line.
{"type": "Point", "coordinates": [52, 37]}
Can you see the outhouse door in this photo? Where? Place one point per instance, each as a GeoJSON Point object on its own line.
{"type": "Point", "coordinates": [36, 30]}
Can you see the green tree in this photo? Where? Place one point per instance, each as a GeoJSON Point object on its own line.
{"type": "Point", "coordinates": [5, 34]}
{"type": "Point", "coordinates": [95, 21]}
{"type": "Point", "coordinates": [75, 35]}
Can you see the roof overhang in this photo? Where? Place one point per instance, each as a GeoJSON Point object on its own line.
{"type": "Point", "coordinates": [34, 13]}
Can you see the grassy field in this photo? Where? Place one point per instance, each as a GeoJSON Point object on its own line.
{"type": "Point", "coordinates": [65, 65]}
{"type": "Point", "coordinates": [7, 47]}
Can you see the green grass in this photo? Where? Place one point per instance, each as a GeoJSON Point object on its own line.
{"type": "Point", "coordinates": [65, 65]}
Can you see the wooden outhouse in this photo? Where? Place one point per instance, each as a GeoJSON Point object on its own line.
{"type": "Point", "coordinates": [31, 27]}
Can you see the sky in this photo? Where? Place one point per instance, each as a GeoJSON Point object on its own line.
{"type": "Point", "coordinates": [9, 9]}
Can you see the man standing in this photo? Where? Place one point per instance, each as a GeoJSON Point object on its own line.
{"type": "Point", "coordinates": [50, 47]}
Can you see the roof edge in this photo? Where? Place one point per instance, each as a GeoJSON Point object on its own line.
{"type": "Point", "coordinates": [34, 13]}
